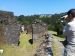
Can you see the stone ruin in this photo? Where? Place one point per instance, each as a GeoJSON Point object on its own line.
{"type": "Point", "coordinates": [39, 29]}
{"type": "Point", "coordinates": [9, 28]}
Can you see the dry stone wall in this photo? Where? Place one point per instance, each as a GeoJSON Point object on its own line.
{"type": "Point", "coordinates": [10, 27]}
{"type": "Point", "coordinates": [38, 29]}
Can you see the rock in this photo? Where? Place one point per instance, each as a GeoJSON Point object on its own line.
{"type": "Point", "coordinates": [1, 51]}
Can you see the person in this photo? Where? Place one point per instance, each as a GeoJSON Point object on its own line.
{"type": "Point", "coordinates": [69, 33]}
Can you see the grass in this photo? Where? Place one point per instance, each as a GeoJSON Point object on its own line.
{"type": "Point", "coordinates": [56, 45]}
{"type": "Point", "coordinates": [25, 48]}
{"type": "Point", "coordinates": [60, 37]}
{"type": "Point", "coordinates": [24, 39]}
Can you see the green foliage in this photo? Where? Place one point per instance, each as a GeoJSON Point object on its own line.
{"type": "Point", "coordinates": [53, 21]}
{"type": "Point", "coordinates": [56, 23]}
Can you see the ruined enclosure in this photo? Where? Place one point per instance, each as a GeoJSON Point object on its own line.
{"type": "Point", "coordinates": [9, 28]}
{"type": "Point", "coordinates": [39, 29]}
{"type": "Point", "coordinates": [1, 34]}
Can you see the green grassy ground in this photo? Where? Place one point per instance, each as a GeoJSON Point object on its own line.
{"type": "Point", "coordinates": [25, 48]}
{"type": "Point", "coordinates": [56, 45]}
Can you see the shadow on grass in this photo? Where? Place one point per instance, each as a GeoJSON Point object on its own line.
{"type": "Point", "coordinates": [55, 34]}
{"type": "Point", "coordinates": [30, 41]}
{"type": "Point", "coordinates": [58, 35]}
{"type": "Point", "coordinates": [64, 42]}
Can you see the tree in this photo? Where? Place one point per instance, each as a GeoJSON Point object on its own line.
{"type": "Point", "coordinates": [53, 22]}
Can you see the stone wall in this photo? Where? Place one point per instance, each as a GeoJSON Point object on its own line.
{"type": "Point", "coordinates": [39, 29]}
{"type": "Point", "coordinates": [1, 34]}
{"type": "Point", "coordinates": [10, 27]}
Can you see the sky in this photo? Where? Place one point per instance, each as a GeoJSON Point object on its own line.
{"type": "Point", "coordinates": [31, 7]}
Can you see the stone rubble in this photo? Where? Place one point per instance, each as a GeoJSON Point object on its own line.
{"type": "Point", "coordinates": [45, 47]}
